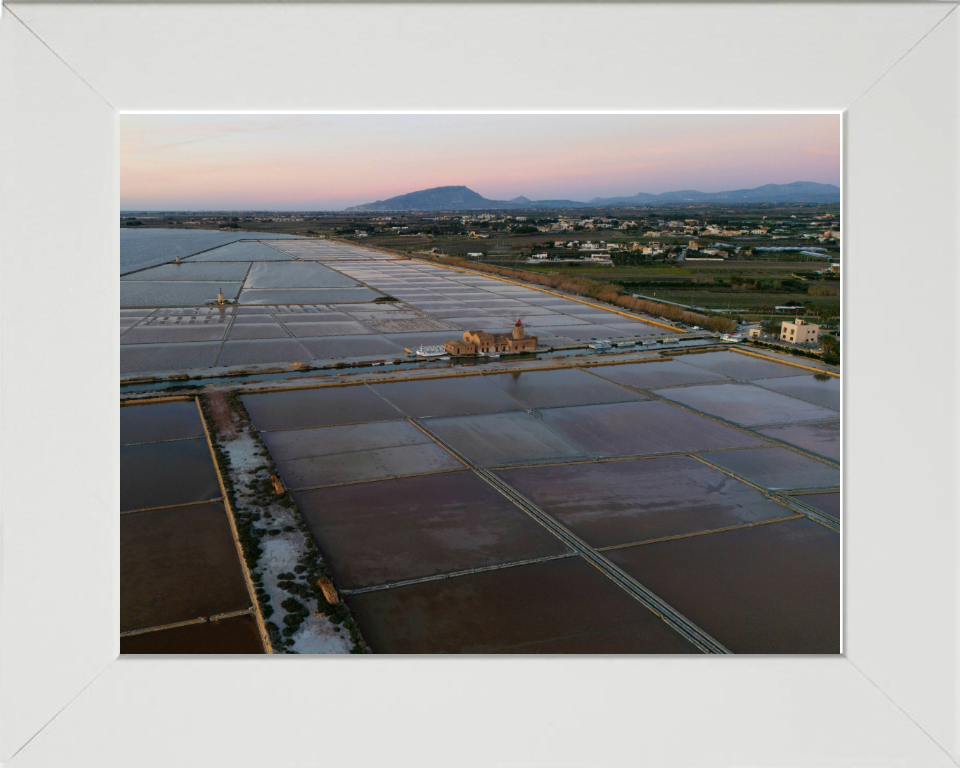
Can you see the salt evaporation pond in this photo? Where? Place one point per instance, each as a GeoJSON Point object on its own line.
{"type": "Point", "coordinates": [141, 248]}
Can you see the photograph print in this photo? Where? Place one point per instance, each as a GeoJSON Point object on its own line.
{"type": "Point", "coordinates": [480, 383]}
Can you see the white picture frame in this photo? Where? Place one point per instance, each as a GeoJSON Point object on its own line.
{"type": "Point", "coordinates": [68, 70]}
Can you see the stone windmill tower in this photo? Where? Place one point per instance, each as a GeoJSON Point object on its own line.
{"type": "Point", "coordinates": [520, 340]}
{"type": "Point", "coordinates": [518, 331]}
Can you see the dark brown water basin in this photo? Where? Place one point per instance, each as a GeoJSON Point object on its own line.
{"type": "Point", "coordinates": [552, 389]}
{"type": "Point", "coordinates": [777, 468]}
{"type": "Point", "coordinates": [771, 588]}
{"type": "Point", "coordinates": [238, 634]}
{"type": "Point", "coordinates": [822, 438]}
{"type": "Point", "coordinates": [447, 397]}
{"type": "Point", "coordinates": [317, 408]}
{"type": "Point", "coordinates": [625, 429]}
{"type": "Point", "coordinates": [163, 474]}
{"type": "Point", "coordinates": [667, 373]}
{"type": "Point", "coordinates": [256, 351]}
{"type": "Point", "coordinates": [741, 367]}
{"type": "Point", "coordinates": [178, 564]}
{"type": "Point", "coordinates": [392, 530]}
{"type": "Point", "coordinates": [149, 358]}
{"type": "Point", "coordinates": [173, 334]}
{"type": "Point", "coordinates": [355, 452]}
{"type": "Point", "coordinates": [496, 439]}
{"type": "Point", "coordinates": [746, 404]}
{"type": "Point", "coordinates": [828, 503]}
{"type": "Point", "coordinates": [619, 502]}
{"type": "Point", "coordinates": [816, 388]}
{"type": "Point", "coordinates": [559, 606]}
{"type": "Point", "coordinates": [161, 421]}
{"type": "Point", "coordinates": [257, 331]}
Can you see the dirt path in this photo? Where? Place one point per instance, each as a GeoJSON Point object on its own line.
{"type": "Point", "coordinates": [222, 416]}
{"type": "Point", "coordinates": [288, 563]}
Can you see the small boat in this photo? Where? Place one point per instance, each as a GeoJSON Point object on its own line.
{"type": "Point", "coordinates": [599, 344]}
{"type": "Point", "coordinates": [669, 341]}
{"type": "Point", "coordinates": [493, 354]}
{"type": "Point", "coordinates": [445, 357]}
{"type": "Point", "coordinates": [625, 344]}
{"type": "Point", "coordinates": [729, 339]}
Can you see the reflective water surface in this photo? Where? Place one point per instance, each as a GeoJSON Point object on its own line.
{"type": "Point", "coordinates": [560, 606]}
{"type": "Point", "coordinates": [356, 452]}
{"type": "Point", "coordinates": [503, 438]}
{"type": "Point", "coordinates": [552, 389]}
{"type": "Point", "coordinates": [624, 429]}
{"type": "Point", "coordinates": [619, 502]}
{"type": "Point", "coordinates": [392, 530]}
{"type": "Point", "coordinates": [815, 388]}
{"type": "Point", "coordinates": [160, 421]}
{"type": "Point", "coordinates": [777, 468]}
{"type": "Point", "coordinates": [162, 474]}
{"type": "Point", "coordinates": [447, 397]}
{"type": "Point", "coordinates": [771, 588]}
{"type": "Point", "coordinates": [238, 634]}
{"type": "Point", "coordinates": [746, 404]}
{"type": "Point", "coordinates": [178, 564]}
{"type": "Point", "coordinates": [318, 407]}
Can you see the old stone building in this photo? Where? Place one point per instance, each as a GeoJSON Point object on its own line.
{"type": "Point", "coordinates": [481, 342]}
{"type": "Point", "coordinates": [520, 341]}
{"type": "Point", "coordinates": [460, 347]}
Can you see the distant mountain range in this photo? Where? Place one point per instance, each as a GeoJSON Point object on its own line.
{"type": "Point", "coordinates": [465, 199]}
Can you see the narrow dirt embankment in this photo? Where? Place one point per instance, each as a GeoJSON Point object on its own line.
{"type": "Point", "coordinates": [282, 558]}
{"type": "Point", "coordinates": [223, 419]}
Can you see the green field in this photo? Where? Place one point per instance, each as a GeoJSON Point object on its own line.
{"type": "Point", "coordinates": [753, 301]}
{"type": "Point", "coordinates": [599, 272]}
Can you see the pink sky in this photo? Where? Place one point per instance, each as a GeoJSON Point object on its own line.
{"type": "Point", "coordinates": [328, 162]}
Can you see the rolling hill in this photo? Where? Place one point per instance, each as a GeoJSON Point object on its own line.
{"type": "Point", "coordinates": [461, 198]}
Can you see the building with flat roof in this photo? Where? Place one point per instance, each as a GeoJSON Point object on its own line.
{"type": "Point", "coordinates": [799, 331]}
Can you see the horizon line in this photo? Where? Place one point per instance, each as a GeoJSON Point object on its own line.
{"type": "Point", "coordinates": [347, 208]}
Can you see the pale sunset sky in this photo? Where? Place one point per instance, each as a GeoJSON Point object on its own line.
{"type": "Point", "coordinates": [328, 162]}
